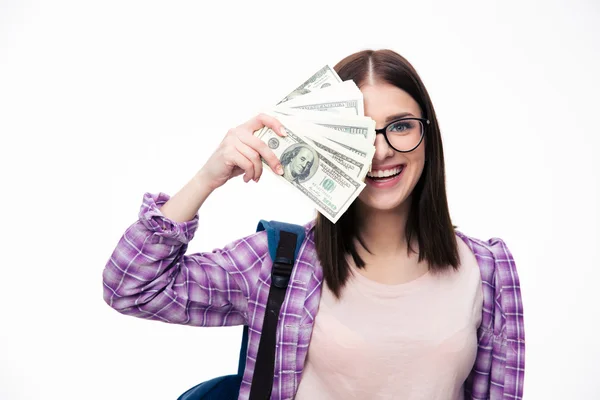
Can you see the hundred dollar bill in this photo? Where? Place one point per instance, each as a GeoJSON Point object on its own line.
{"type": "Point", "coordinates": [310, 170]}
{"type": "Point", "coordinates": [342, 109]}
{"type": "Point", "coordinates": [355, 128]}
{"type": "Point", "coordinates": [354, 164]}
{"type": "Point", "coordinates": [323, 78]}
{"type": "Point", "coordinates": [343, 98]}
{"type": "Point", "coordinates": [349, 130]}
{"type": "Point", "coordinates": [342, 90]}
{"type": "Point", "coordinates": [344, 157]}
{"type": "Point", "coordinates": [361, 165]}
{"type": "Point", "coordinates": [352, 133]}
{"type": "Point", "coordinates": [352, 107]}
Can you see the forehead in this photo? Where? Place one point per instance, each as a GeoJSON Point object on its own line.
{"type": "Point", "coordinates": [304, 152]}
{"type": "Point", "coordinates": [383, 100]}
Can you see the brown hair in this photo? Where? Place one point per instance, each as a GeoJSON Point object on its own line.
{"type": "Point", "coordinates": [429, 219]}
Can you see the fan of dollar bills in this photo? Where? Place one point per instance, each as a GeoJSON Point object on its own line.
{"type": "Point", "coordinates": [330, 143]}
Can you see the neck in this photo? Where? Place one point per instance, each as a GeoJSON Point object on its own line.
{"type": "Point", "coordinates": [383, 231]}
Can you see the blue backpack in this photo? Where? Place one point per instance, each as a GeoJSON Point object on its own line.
{"type": "Point", "coordinates": [284, 242]}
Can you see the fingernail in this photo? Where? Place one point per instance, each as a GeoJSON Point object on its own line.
{"type": "Point", "coordinates": [279, 169]}
{"type": "Point", "coordinates": [283, 131]}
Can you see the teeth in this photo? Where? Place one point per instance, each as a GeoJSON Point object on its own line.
{"type": "Point", "coordinates": [384, 173]}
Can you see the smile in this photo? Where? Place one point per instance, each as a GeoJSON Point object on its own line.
{"type": "Point", "coordinates": [386, 173]}
{"type": "Point", "coordinates": [385, 178]}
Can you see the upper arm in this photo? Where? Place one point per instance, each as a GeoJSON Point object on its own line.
{"type": "Point", "coordinates": [513, 328]}
{"type": "Point", "coordinates": [499, 368]}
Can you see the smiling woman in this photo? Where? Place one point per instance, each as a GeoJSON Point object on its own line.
{"type": "Point", "coordinates": [389, 302]}
{"type": "Point", "coordinates": [431, 282]}
{"type": "Point", "coordinates": [408, 206]}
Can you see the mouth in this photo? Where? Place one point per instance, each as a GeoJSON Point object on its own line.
{"type": "Point", "coordinates": [385, 177]}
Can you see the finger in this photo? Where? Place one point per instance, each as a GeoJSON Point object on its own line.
{"type": "Point", "coordinates": [253, 156]}
{"type": "Point", "coordinates": [262, 120]}
{"type": "Point", "coordinates": [242, 162]}
{"type": "Point", "coordinates": [264, 151]}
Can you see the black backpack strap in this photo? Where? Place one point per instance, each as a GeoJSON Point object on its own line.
{"type": "Point", "coordinates": [262, 381]}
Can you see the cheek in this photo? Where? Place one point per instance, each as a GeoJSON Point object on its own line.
{"type": "Point", "coordinates": [416, 159]}
{"type": "Point", "coordinates": [416, 165]}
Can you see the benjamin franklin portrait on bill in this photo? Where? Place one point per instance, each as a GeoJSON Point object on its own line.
{"type": "Point", "coordinates": [298, 162]}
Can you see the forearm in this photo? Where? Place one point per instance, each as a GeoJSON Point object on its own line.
{"type": "Point", "coordinates": [184, 205]}
{"type": "Point", "coordinates": [149, 275]}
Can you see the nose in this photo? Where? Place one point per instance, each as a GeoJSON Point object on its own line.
{"type": "Point", "coordinates": [382, 148]}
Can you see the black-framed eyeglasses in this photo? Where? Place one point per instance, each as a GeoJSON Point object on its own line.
{"type": "Point", "coordinates": [404, 134]}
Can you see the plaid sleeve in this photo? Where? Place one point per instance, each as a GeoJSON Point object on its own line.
{"type": "Point", "coordinates": [512, 329]}
{"type": "Point", "coordinates": [498, 373]}
{"type": "Point", "coordinates": [149, 275]}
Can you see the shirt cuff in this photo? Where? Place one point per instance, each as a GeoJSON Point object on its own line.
{"type": "Point", "coordinates": [153, 219]}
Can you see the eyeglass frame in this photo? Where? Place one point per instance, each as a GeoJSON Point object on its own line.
{"type": "Point", "coordinates": [383, 130]}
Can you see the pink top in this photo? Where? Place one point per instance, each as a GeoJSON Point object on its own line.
{"type": "Point", "coordinates": [409, 341]}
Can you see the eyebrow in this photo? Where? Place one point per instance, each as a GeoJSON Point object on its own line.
{"type": "Point", "coordinates": [397, 116]}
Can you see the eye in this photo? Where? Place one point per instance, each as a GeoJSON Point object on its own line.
{"type": "Point", "coordinates": [400, 126]}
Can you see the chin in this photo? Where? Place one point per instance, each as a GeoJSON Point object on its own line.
{"type": "Point", "coordinates": [381, 202]}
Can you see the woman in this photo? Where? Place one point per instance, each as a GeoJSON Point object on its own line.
{"type": "Point", "coordinates": [388, 303]}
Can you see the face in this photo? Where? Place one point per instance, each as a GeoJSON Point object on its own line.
{"type": "Point", "coordinates": [301, 161]}
{"type": "Point", "coordinates": [385, 103]}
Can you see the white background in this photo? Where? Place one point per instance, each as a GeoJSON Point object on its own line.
{"type": "Point", "coordinates": [103, 101]}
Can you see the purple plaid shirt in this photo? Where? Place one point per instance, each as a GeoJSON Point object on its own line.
{"type": "Point", "coordinates": [149, 276]}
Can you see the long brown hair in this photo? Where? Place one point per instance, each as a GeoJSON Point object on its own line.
{"type": "Point", "coordinates": [429, 218]}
